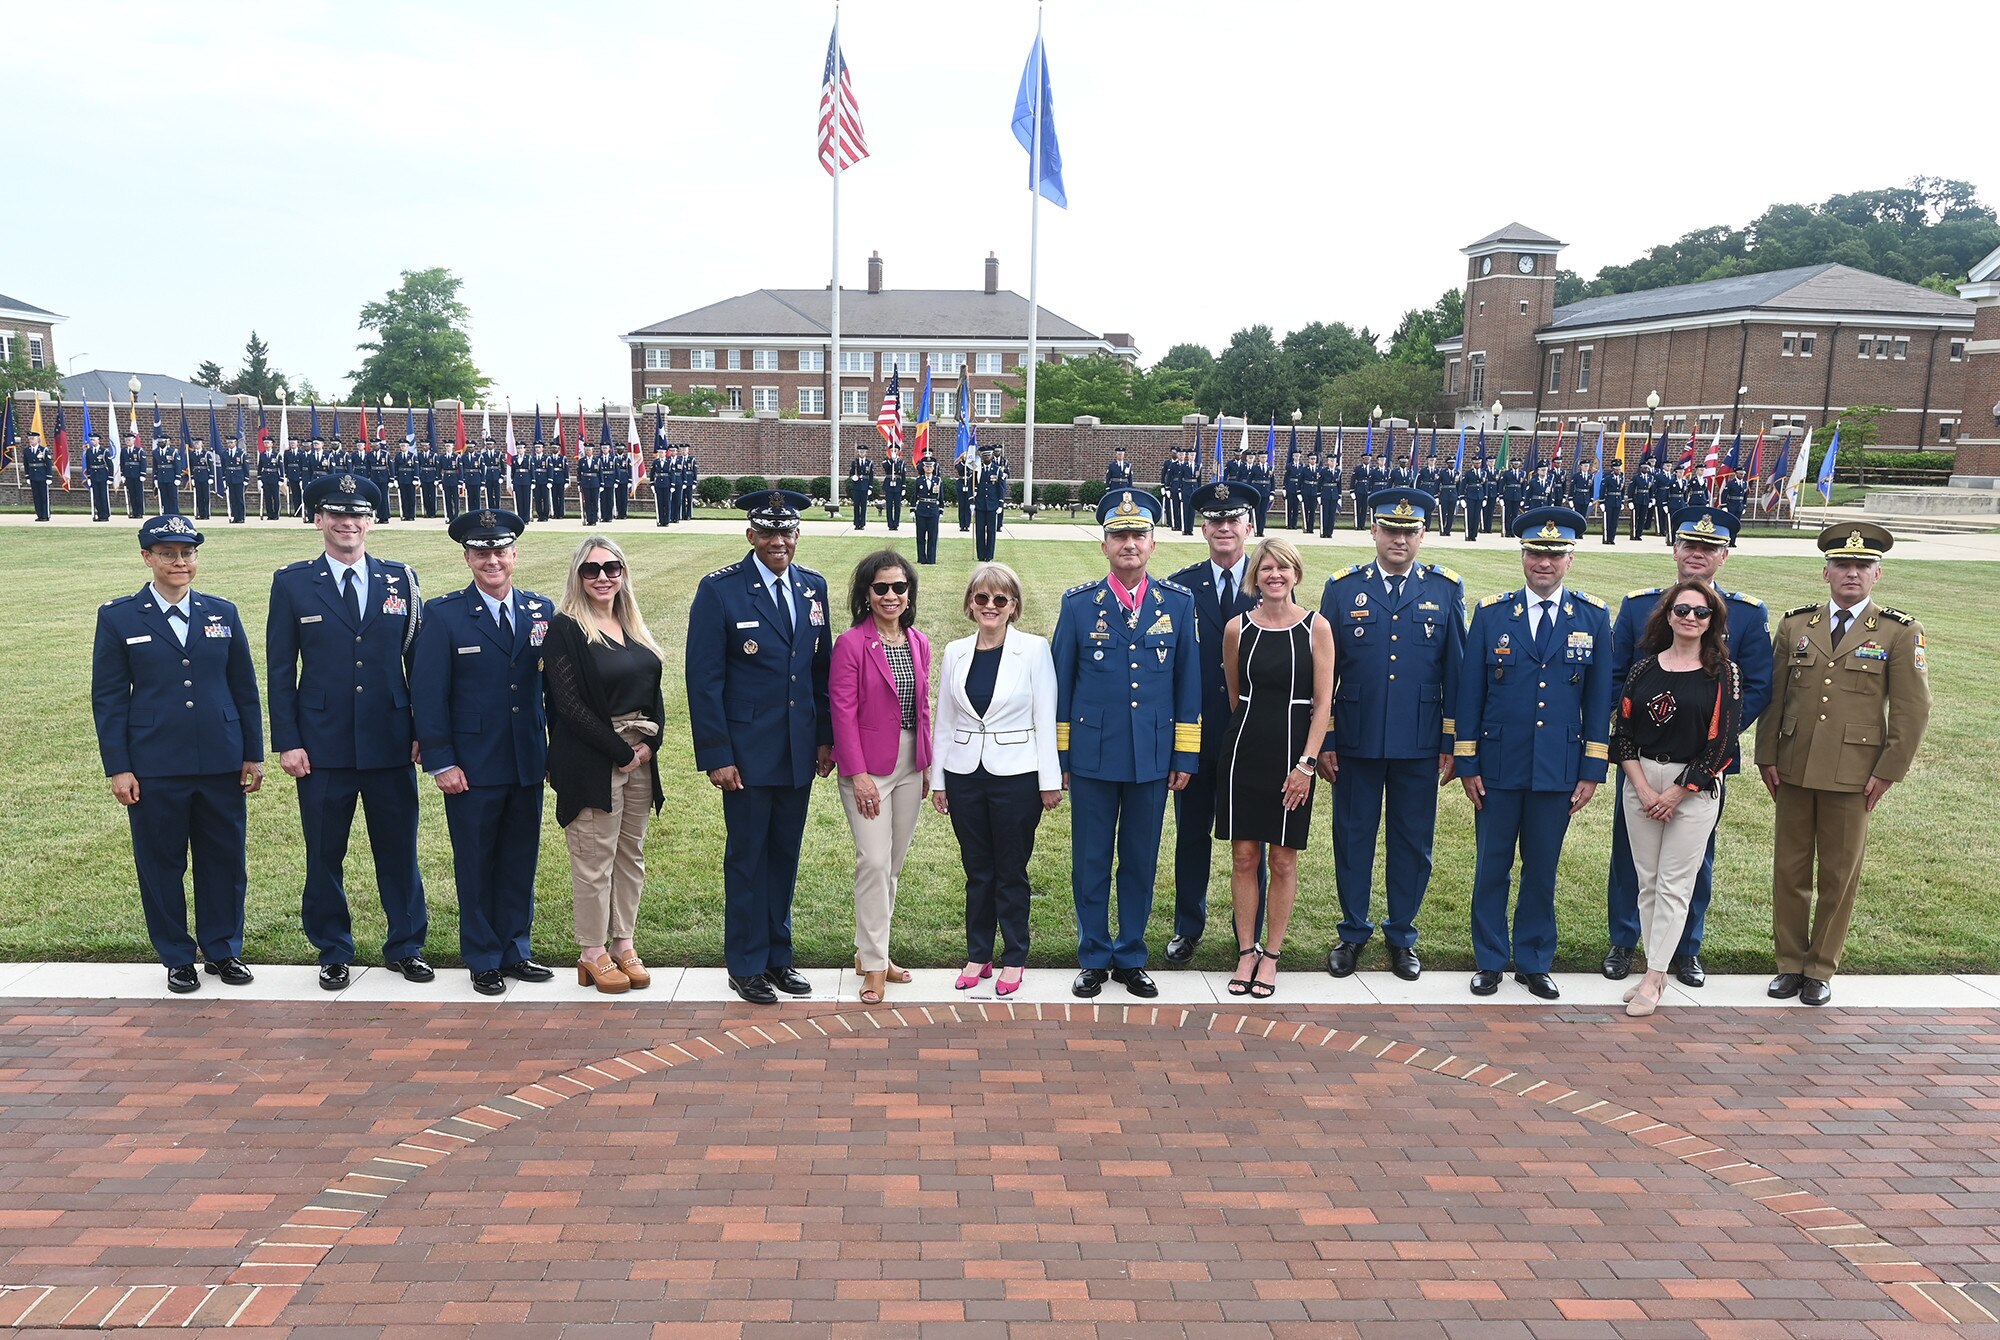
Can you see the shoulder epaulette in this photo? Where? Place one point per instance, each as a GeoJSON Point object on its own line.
{"type": "Point", "coordinates": [1447, 573]}
{"type": "Point", "coordinates": [456, 593]}
{"type": "Point", "coordinates": [302, 563]}
{"type": "Point", "coordinates": [1500, 599]}
{"type": "Point", "coordinates": [1898, 615]}
{"type": "Point", "coordinates": [1080, 586]}
{"type": "Point", "coordinates": [1644, 591]}
{"type": "Point", "coordinates": [1746, 598]}
{"type": "Point", "coordinates": [1803, 609]}
{"type": "Point", "coordinates": [1347, 571]}
{"type": "Point", "coordinates": [725, 570]}
{"type": "Point", "coordinates": [119, 600]}
{"type": "Point", "coordinates": [1172, 585]}
{"type": "Point", "coordinates": [1588, 598]}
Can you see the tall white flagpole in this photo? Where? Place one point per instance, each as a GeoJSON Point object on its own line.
{"type": "Point", "coordinates": [1034, 266]}
{"type": "Point", "coordinates": [833, 356]}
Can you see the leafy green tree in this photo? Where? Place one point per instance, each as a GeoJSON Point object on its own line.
{"type": "Point", "coordinates": [208, 374]}
{"type": "Point", "coordinates": [1105, 386]}
{"type": "Point", "coordinates": [1417, 334]}
{"type": "Point", "coordinates": [1858, 426]}
{"type": "Point", "coordinates": [688, 404]}
{"type": "Point", "coordinates": [1403, 390]}
{"type": "Point", "coordinates": [19, 374]}
{"type": "Point", "coordinates": [257, 377]}
{"type": "Point", "coordinates": [1192, 358]}
{"type": "Point", "coordinates": [421, 351]}
{"type": "Point", "coordinates": [1253, 377]}
{"type": "Point", "coordinates": [1320, 351]}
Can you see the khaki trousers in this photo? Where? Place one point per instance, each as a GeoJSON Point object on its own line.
{"type": "Point", "coordinates": [880, 843]}
{"type": "Point", "coordinates": [607, 859]}
{"type": "Point", "coordinates": [1832, 826]}
{"type": "Point", "coordinates": [1666, 857]}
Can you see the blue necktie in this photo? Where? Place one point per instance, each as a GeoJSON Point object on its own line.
{"type": "Point", "coordinates": [507, 623]}
{"type": "Point", "coordinates": [1228, 592]}
{"type": "Point", "coordinates": [1545, 632]}
{"type": "Point", "coordinates": [783, 591]}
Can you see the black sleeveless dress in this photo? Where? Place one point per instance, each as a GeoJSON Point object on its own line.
{"type": "Point", "coordinates": [1267, 736]}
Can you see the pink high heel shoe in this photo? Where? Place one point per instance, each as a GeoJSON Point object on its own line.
{"type": "Point", "coordinates": [1003, 987]}
{"type": "Point", "coordinates": [967, 980]}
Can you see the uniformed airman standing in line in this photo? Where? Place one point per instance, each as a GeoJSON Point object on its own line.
{"type": "Point", "coordinates": [927, 502]}
{"type": "Point", "coordinates": [1513, 488]}
{"type": "Point", "coordinates": [430, 465]}
{"type": "Point", "coordinates": [860, 485]}
{"type": "Point", "coordinates": [407, 468]}
{"type": "Point", "coordinates": [236, 478]}
{"type": "Point", "coordinates": [202, 466]}
{"type": "Point", "coordinates": [167, 476]}
{"type": "Point", "coordinates": [270, 481]}
{"type": "Point", "coordinates": [1533, 744]}
{"type": "Point", "coordinates": [1329, 493]}
{"type": "Point", "coordinates": [1128, 703]}
{"type": "Point", "coordinates": [895, 478]}
{"type": "Point", "coordinates": [293, 460]}
{"type": "Point", "coordinates": [1639, 496]}
{"type": "Point", "coordinates": [968, 486]}
{"type": "Point", "coordinates": [38, 463]}
{"type": "Point", "coordinates": [989, 501]}
{"type": "Point", "coordinates": [1843, 726]}
{"type": "Point", "coordinates": [1472, 488]}
{"type": "Point", "coordinates": [132, 466]}
{"type": "Point", "coordinates": [97, 475]}
{"type": "Point", "coordinates": [1118, 473]}
{"type": "Point", "coordinates": [173, 688]}
{"type": "Point", "coordinates": [1611, 496]}
{"type": "Point", "coordinates": [1399, 639]}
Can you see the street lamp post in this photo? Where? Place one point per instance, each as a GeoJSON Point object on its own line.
{"type": "Point", "coordinates": [1497, 408]}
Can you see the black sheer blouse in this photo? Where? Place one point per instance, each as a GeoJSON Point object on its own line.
{"type": "Point", "coordinates": [1680, 716]}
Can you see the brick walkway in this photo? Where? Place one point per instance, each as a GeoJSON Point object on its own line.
{"type": "Point", "coordinates": [341, 1171]}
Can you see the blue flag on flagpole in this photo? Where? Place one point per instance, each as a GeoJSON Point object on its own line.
{"type": "Point", "coordinates": [1458, 462]}
{"type": "Point", "coordinates": [315, 423]}
{"type": "Point", "coordinates": [1271, 443]}
{"type": "Point", "coordinates": [1482, 446]}
{"type": "Point", "coordinates": [1218, 446]}
{"type": "Point", "coordinates": [1319, 440]}
{"type": "Point", "coordinates": [1825, 480]}
{"type": "Point", "coordinates": [1597, 482]}
{"type": "Point", "coordinates": [1033, 75]}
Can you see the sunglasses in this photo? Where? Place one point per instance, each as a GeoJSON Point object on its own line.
{"type": "Point", "coordinates": [590, 572]}
{"type": "Point", "coordinates": [1702, 613]}
{"type": "Point", "coordinates": [887, 588]}
{"type": "Point", "coordinates": [993, 598]}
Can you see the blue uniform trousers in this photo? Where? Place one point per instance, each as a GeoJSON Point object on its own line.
{"type": "Point", "coordinates": [927, 536]}
{"type": "Point", "coordinates": [170, 499]}
{"type": "Point", "coordinates": [1533, 823]}
{"type": "Point", "coordinates": [1410, 786]}
{"type": "Point", "coordinates": [1194, 846]}
{"type": "Point", "coordinates": [1622, 887]}
{"type": "Point", "coordinates": [1127, 815]}
{"type": "Point", "coordinates": [205, 815]}
{"type": "Point", "coordinates": [760, 871]}
{"type": "Point", "coordinates": [496, 834]}
{"type": "Point", "coordinates": [326, 812]}
{"type": "Point", "coordinates": [100, 499]}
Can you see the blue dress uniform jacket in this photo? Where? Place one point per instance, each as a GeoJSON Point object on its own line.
{"type": "Point", "coordinates": [184, 720]}
{"type": "Point", "coordinates": [476, 699]}
{"type": "Point", "coordinates": [1531, 728]}
{"type": "Point", "coordinates": [1395, 689]}
{"type": "Point", "coordinates": [340, 691]}
{"type": "Point", "coordinates": [1749, 641]}
{"type": "Point", "coordinates": [758, 702]}
{"type": "Point", "coordinates": [167, 478]}
{"type": "Point", "coordinates": [97, 474]}
{"type": "Point", "coordinates": [1117, 743]}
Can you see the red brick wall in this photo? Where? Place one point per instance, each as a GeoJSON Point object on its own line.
{"type": "Point", "coordinates": [1979, 447]}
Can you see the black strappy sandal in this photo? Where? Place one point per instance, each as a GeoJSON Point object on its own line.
{"type": "Point", "coordinates": [1263, 990]}
{"type": "Point", "coordinates": [1240, 986]}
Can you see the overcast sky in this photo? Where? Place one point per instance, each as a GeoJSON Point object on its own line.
{"type": "Point", "coordinates": [589, 168]}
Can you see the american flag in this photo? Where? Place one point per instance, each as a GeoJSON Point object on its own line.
{"type": "Point", "coordinates": [889, 422]}
{"type": "Point", "coordinates": [841, 143]}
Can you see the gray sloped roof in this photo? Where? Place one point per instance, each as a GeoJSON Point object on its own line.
{"type": "Point", "coordinates": [1514, 232]}
{"type": "Point", "coordinates": [1806, 288]}
{"type": "Point", "coordinates": [15, 304]}
{"type": "Point", "coordinates": [909, 313]}
{"type": "Point", "coordinates": [101, 384]}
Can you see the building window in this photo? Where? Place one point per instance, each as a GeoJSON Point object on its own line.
{"type": "Point", "coordinates": [7, 348]}
{"type": "Point", "coordinates": [1902, 346]}
{"type": "Point", "coordinates": [1947, 429]}
{"type": "Point", "coordinates": [735, 360]}
{"type": "Point", "coordinates": [945, 400]}
{"type": "Point", "coordinates": [1789, 422]}
{"type": "Point", "coordinates": [854, 403]}
{"type": "Point", "coordinates": [1958, 351]}
{"type": "Point", "coordinates": [1583, 368]}
{"type": "Point", "coordinates": [812, 400]}
{"type": "Point", "coordinates": [856, 360]}
{"type": "Point", "coordinates": [654, 390]}
{"type": "Point", "coordinates": [1881, 346]}
{"type": "Point", "coordinates": [1807, 341]}
{"type": "Point", "coordinates": [701, 360]}
{"type": "Point", "coordinates": [1555, 371]}
{"type": "Point", "coordinates": [943, 364]}
{"type": "Point", "coordinates": [1452, 388]}
{"type": "Point", "coordinates": [764, 398]}
{"type": "Point", "coordinates": [735, 400]}
{"type": "Point", "coordinates": [1709, 425]}
{"type": "Point", "coordinates": [34, 351]}
{"type": "Point", "coordinates": [1482, 307]}
{"type": "Point", "coordinates": [763, 360]}
{"type": "Point", "coordinates": [988, 365]}
{"type": "Point", "coordinates": [909, 365]}
{"type": "Point", "coordinates": [1865, 344]}
{"type": "Point", "coordinates": [658, 360]}
{"type": "Point", "coordinates": [812, 360]}
{"type": "Point", "coordinates": [1477, 384]}
{"type": "Point", "coordinates": [986, 404]}
{"type": "Point", "coordinates": [1788, 344]}
{"type": "Point", "coordinates": [1524, 307]}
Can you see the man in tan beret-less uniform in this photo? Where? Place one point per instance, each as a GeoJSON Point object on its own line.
{"type": "Point", "coordinates": [1850, 706]}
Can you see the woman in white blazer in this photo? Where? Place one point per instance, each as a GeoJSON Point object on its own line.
{"type": "Point", "coordinates": [994, 768]}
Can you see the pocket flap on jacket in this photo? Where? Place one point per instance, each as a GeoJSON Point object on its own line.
{"type": "Point", "coordinates": [1861, 733]}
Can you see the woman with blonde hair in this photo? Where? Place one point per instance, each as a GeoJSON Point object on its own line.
{"type": "Point", "coordinates": [602, 683]}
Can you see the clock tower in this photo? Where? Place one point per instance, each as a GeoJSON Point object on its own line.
{"type": "Point", "coordinates": [1510, 293]}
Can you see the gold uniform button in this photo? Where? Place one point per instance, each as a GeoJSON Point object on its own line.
{"type": "Point", "coordinates": [1392, 679]}
{"type": "Point", "coordinates": [1822, 716]}
{"type": "Point", "coordinates": [1541, 704]}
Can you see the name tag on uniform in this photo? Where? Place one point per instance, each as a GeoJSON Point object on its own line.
{"type": "Point", "coordinates": [747, 623]}
{"type": "Point", "coordinates": [135, 641]}
{"type": "Point", "coordinates": [467, 651]}
{"type": "Point", "coordinates": [310, 618]}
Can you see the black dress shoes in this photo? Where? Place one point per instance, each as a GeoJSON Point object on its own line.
{"type": "Point", "coordinates": [1687, 969]}
{"type": "Point", "coordinates": [333, 977]}
{"type": "Point", "coordinates": [1539, 984]}
{"type": "Point", "coordinates": [413, 968]}
{"type": "Point", "coordinates": [754, 989]}
{"type": "Point", "coordinates": [1136, 981]}
{"type": "Point", "coordinates": [1812, 991]}
{"type": "Point", "coordinates": [183, 979]}
{"type": "Point", "coordinates": [789, 980]}
{"type": "Point", "coordinates": [1403, 961]}
{"type": "Point", "coordinates": [527, 970]}
{"type": "Point", "coordinates": [1341, 958]}
{"type": "Point", "coordinates": [1618, 963]}
{"type": "Point", "coordinates": [1181, 948]}
{"type": "Point", "coordinates": [1485, 982]}
{"type": "Point", "coordinates": [1785, 985]}
{"type": "Point", "coordinates": [1089, 982]}
{"type": "Point", "coordinates": [232, 971]}
{"type": "Point", "coordinates": [489, 983]}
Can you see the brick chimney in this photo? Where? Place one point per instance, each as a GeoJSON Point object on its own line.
{"type": "Point", "coordinates": [992, 273]}
{"type": "Point", "coordinates": [875, 272]}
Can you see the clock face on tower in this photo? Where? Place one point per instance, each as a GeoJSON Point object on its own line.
{"type": "Point", "coordinates": [1486, 265]}
{"type": "Point", "coordinates": [1526, 264]}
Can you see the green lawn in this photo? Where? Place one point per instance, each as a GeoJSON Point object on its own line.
{"type": "Point", "coordinates": [67, 888]}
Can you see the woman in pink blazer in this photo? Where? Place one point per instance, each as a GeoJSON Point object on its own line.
{"type": "Point", "coordinates": [879, 686]}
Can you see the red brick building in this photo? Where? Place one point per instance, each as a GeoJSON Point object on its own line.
{"type": "Point", "coordinates": [1978, 463]}
{"type": "Point", "coordinates": [23, 322]}
{"type": "Point", "coordinates": [766, 352]}
{"type": "Point", "coordinates": [1784, 349]}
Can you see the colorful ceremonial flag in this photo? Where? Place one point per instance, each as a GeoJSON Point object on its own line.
{"type": "Point", "coordinates": [632, 445]}
{"type": "Point", "coordinates": [1319, 440]}
{"type": "Point", "coordinates": [923, 430]}
{"type": "Point", "coordinates": [1733, 462]}
{"type": "Point", "coordinates": [1597, 480]}
{"type": "Point", "coordinates": [1368, 443]}
{"type": "Point", "coordinates": [603, 423]}
{"type": "Point", "coordinates": [430, 427]}
{"type": "Point", "coordinates": [1218, 446]}
{"type": "Point", "coordinates": [841, 143]}
{"type": "Point", "coordinates": [313, 431]}
{"type": "Point", "coordinates": [1458, 462]}
{"type": "Point", "coordinates": [1825, 480]}
{"type": "Point", "coordinates": [59, 445]}
{"type": "Point", "coordinates": [187, 438]}
{"type": "Point", "coordinates": [263, 431]}
{"type": "Point", "coordinates": [1714, 456]}
{"type": "Point", "coordinates": [965, 438]}
{"type": "Point", "coordinates": [581, 437]}
{"type": "Point", "coordinates": [558, 444]}
{"type": "Point", "coordinates": [1032, 99]}
{"type": "Point", "coordinates": [1757, 459]}
{"type": "Point", "coordinates": [1482, 445]}
{"type": "Point", "coordinates": [117, 443]}
{"type": "Point", "coordinates": [1506, 445]}
{"type": "Point", "coordinates": [7, 435]}
{"type": "Point", "coordinates": [88, 431]}
{"type": "Point", "coordinates": [1619, 458]}
{"type": "Point", "coordinates": [239, 419]}
{"type": "Point", "coordinates": [889, 420]}
{"type": "Point", "coordinates": [538, 424]}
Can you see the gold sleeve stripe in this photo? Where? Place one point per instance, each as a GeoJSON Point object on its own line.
{"type": "Point", "coordinates": [1465, 749]}
{"type": "Point", "coordinates": [1450, 726]}
{"type": "Point", "coordinates": [1592, 749]}
{"type": "Point", "coordinates": [1187, 738]}
{"type": "Point", "coordinates": [1062, 735]}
